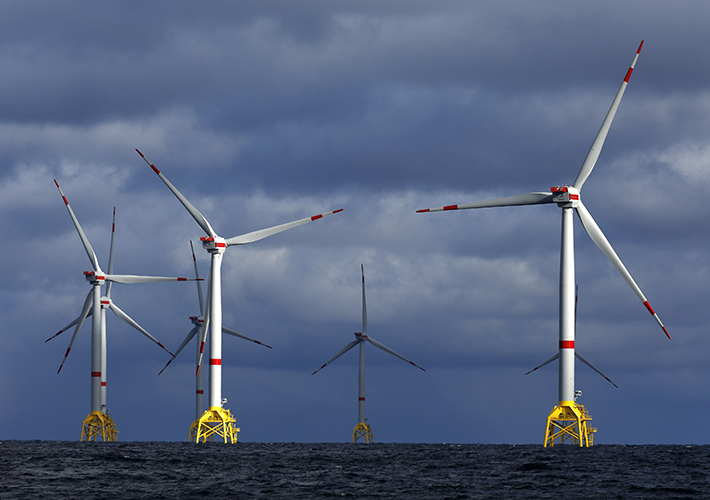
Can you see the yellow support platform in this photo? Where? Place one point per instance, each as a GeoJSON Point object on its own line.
{"type": "Point", "coordinates": [98, 426]}
{"type": "Point", "coordinates": [569, 422]}
{"type": "Point", "coordinates": [363, 431]}
{"type": "Point", "coordinates": [214, 422]}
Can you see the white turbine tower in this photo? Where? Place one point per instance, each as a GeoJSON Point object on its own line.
{"type": "Point", "coordinates": [98, 424]}
{"type": "Point", "coordinates": [200, 324]}
{"type": "Point", "coordinates": [568, 420]}
{"type": "Point", "coordinates": [363, 429]}
{"type": "Point", "coordinates": [216, 420]}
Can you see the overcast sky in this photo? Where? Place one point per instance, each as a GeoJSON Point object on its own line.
{"type": "Point", "coordinates": [266, 112]}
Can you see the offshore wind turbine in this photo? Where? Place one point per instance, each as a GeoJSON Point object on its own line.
{"type": "Point", "coordinates": [363, 429]}
{"type": "Point", "coordinates": [200, 323]}
{"type": "Point", "coordinates": [568, 420]}
{"type": "Point", "coordinates": [98, 424]}
{"type": "Point", "coordinates": [217, 420]}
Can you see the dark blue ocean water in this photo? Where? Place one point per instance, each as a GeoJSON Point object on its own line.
{"type": "Point", "coordinates": [42, 469]}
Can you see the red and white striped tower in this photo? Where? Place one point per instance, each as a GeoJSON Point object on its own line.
{"type": "Point", "coordinates": [568, 420]}
{"type": "Point", "coordinates": [567, 313]}
{"type": "Point", "coordinates": [361, 365]}
{"type": "Point", "coordinates": [217, 421]}
{"type": "Point", "coordinates": [216, 247]}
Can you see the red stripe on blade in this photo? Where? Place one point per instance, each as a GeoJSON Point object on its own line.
{"type": "Point", "coordinates": [316, 217]}
{"type": "Point", "coordinates": [648, 306]}
{"type": "Point", "coordinates": [451, 207]}
{"type": "Point", "coordinates": [628, 75]}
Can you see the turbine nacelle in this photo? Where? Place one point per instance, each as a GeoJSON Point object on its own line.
{"type": "Point", "coordinates": [197, 320]}
{"type": "Point", "coordinates": [94, 278]}
{"type": "Point", "coordinates": [565, 196]}
{"type": "Point", "coordinates": [214, 244]}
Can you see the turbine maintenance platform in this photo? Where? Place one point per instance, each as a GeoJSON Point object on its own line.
{"type": "Point", "coordinates": [215, 422]}
{"type": "Point", "coordinates": [569, 422]}
{"type": "Point", "coordinates": [363, 431]}
{"type": "Point", "coordinates": [99, 426]}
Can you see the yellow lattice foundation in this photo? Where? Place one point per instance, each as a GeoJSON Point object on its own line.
{"type": "Point", "coordinates": [214, 422]}
{"type": "Point", "coordinates": [569, 422]}
{"type": "Point", "coordinates": [362, 431]}
{"type": "Point", "coordinates": [98, 426]}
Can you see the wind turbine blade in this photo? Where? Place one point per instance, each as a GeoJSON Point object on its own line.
{"type": "Point", "coordinates": [182, 346]}
{"type": "Point", "coordinates": [343, 351]}
{"type": "Point", "coordinates": [598, 143]}
{"type": "Point", "coordinates": [232, 332]}
{"type": "Point", "coordinates": [88, 303]}
{"type": "Point", "coordinates": [110, 255]}
{"type": "Point", "coordinates": [130, 278]}
{"type": "Point", "coordinates": [87, 246]}
{"type": "Point", "coordinates": [63, 329]}
{"type": "Point", "coordinates": [545, 363]}
{"type": "Point", "coordinates": [263, 233]}
{"type": "Point", "coordinates": [199, 218]}
{"type": "Point", "coordinates": [364, 302]}
{"type": "Point", "coordinates": [509, 201]}
{"type": "Point", "coordinates": [584, 360]}
{"type": "Point", "coordinates": [125, 317]}
{"type": "Point", "coordinates": [197, 279]}
{"type": "Point", "coordinates": [202, 338]}
{"type": "Point", "coordinates": [387, 349]}
{"type": "Point", "coordinates": [598, 237]}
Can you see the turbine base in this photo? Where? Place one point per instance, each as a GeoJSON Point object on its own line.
{"type": "Point", "coordinates": [98, 426]}
{"type": "Point", "coordinates": [215, 422]}
{"type": "Point", "coordinates": [363, 431]}
{"type": "Point", "coordinates": [569, 422]}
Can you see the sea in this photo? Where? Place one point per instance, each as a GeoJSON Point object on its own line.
{"type": "Point", "coordinates": [160, 470]}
